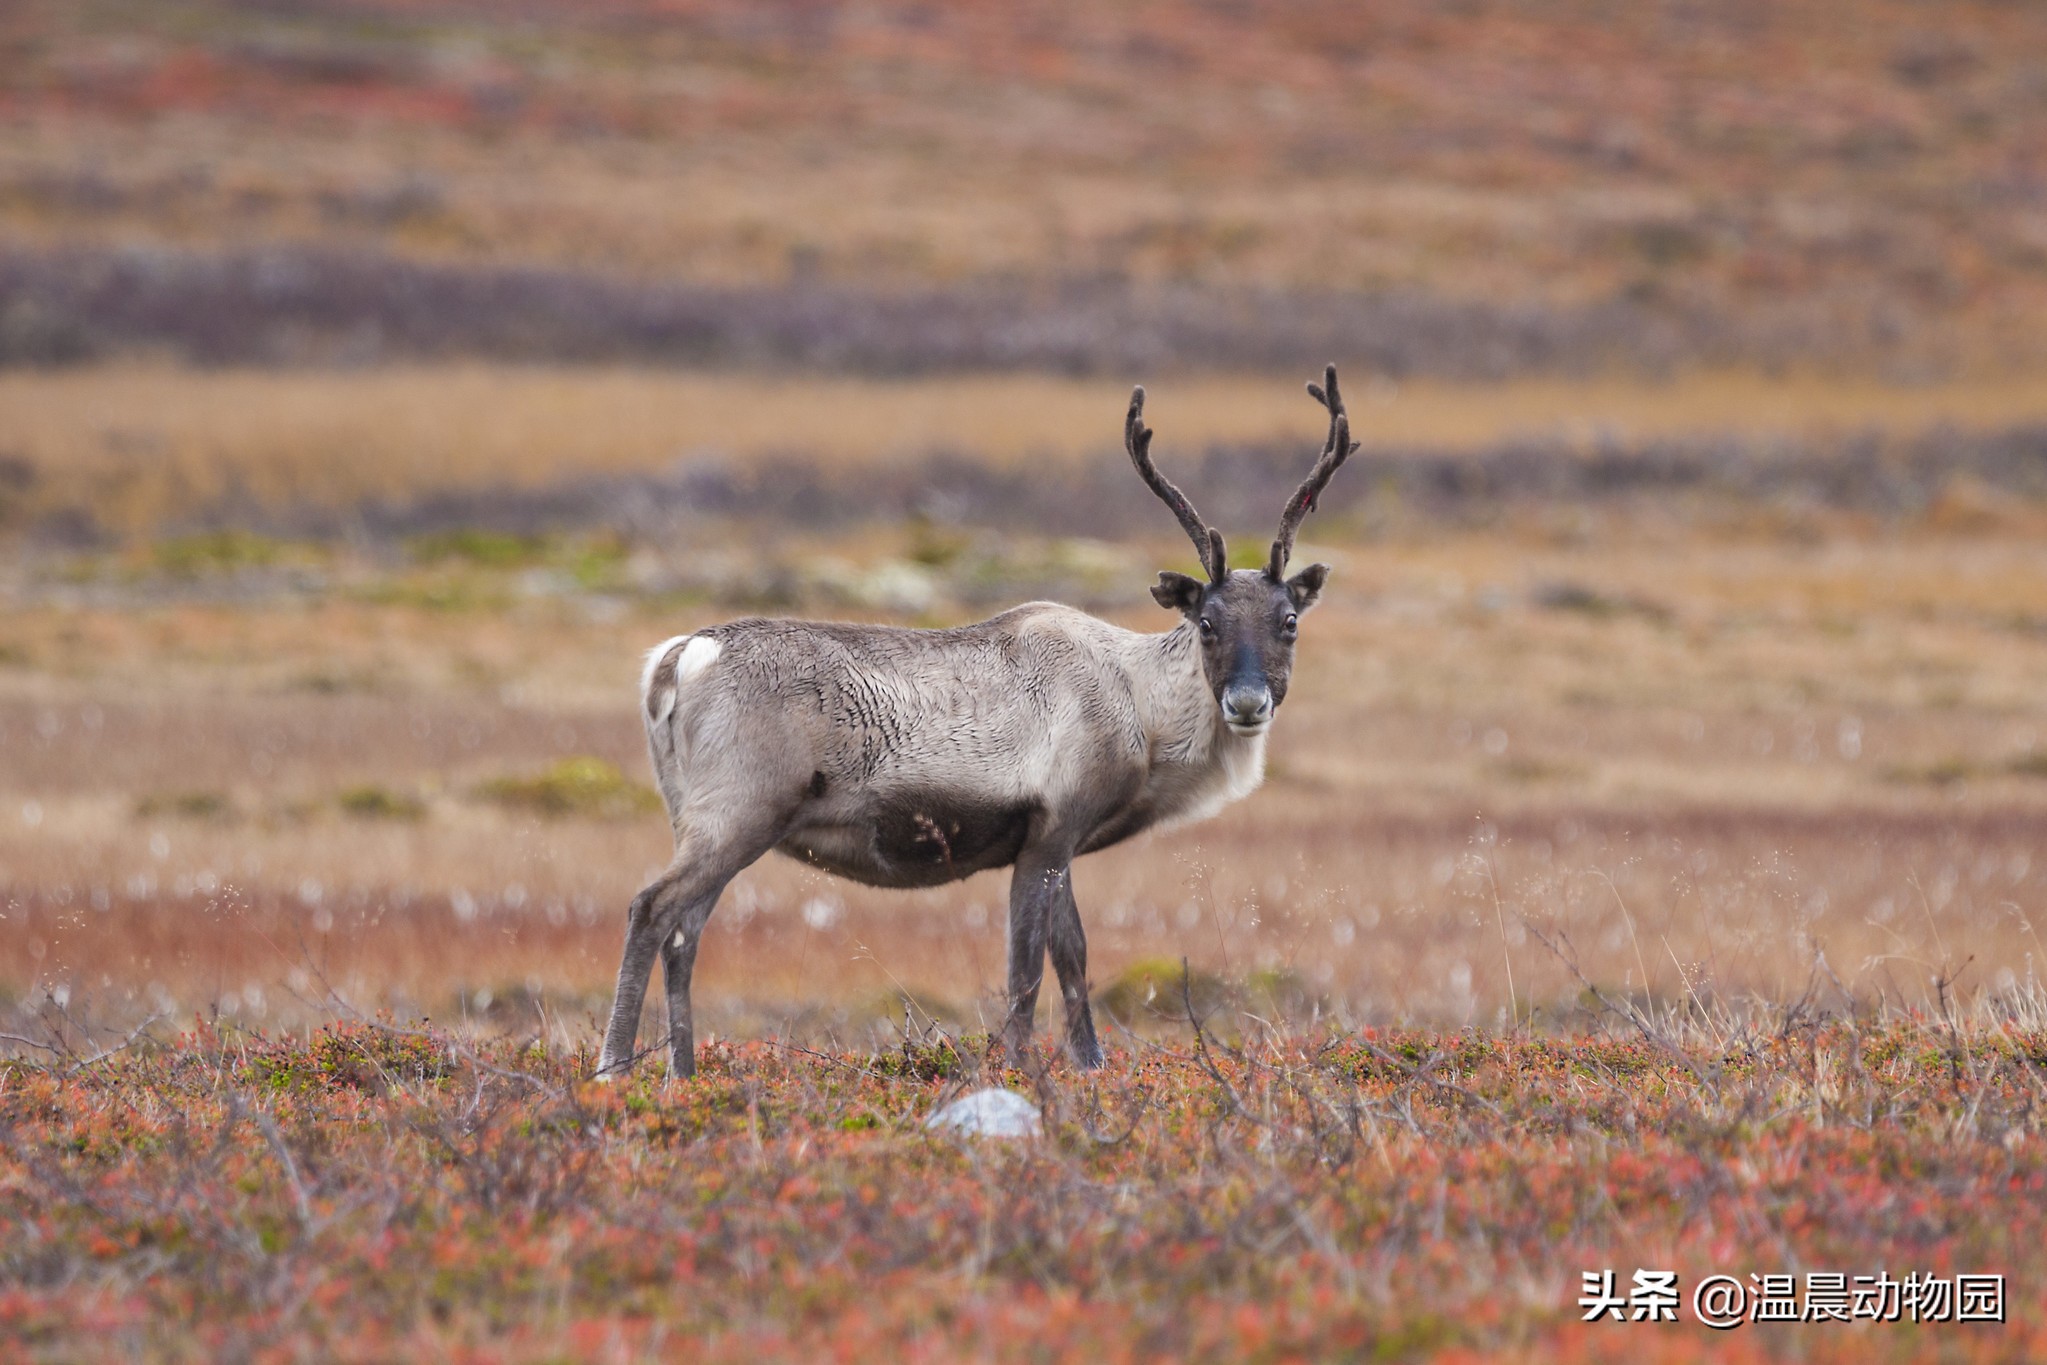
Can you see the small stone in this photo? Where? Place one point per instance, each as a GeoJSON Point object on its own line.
{"type": "Point", "coordinates": [988, 1113]}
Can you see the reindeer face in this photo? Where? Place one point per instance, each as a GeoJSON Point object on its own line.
{"type": "Point", "coordinates": [1246, 625]}
{"type": "Point", "coordinates": [1246, 620]}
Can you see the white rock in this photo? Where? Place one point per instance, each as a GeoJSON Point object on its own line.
{"type": "Point", "coordinates": [988, 1113]}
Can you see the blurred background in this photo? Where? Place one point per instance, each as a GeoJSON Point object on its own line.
{"type": "Point", "coordinates": [379, 378]}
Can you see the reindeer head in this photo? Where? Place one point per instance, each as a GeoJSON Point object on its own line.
{"type": "Point", "coordinates": [1246, 620]}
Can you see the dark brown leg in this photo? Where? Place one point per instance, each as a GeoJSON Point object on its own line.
{"type": "Point", "coordinates": [1067, 941]}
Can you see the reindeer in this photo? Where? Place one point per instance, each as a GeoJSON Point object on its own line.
{"type": "Point", "coordinates": [911, 758]}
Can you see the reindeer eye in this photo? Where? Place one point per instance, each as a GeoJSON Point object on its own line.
{"type": "Point", "coordinates": [1290, 622]}
{"type": "Point", "coordinates": [1207, 629]}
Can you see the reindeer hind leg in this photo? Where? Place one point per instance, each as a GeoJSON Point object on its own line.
{"type": "Point", "coordinates": [678, 965]}
{"type": "Point", "coordinates": [666, 920]}
{"type": "Point", "coordinates": [643, 934]}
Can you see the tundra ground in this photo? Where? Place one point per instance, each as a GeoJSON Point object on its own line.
{"type": "Point", "coordinates": [1639, 882]}
{"type": "Point", "coordinates": [364, 1192]}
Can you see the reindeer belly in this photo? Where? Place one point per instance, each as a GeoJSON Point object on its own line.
{"type": "Point", "coordinates": [1124, 823]}
{"type": "Point", "coordinates": [911, 840]}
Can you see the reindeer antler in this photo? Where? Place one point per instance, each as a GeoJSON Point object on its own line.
{"type": "Point", "coordinates": [1208, 542]}
{"type": "Point", "coordinates": [1335, 451]}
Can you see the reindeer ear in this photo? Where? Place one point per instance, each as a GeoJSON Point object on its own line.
{"type": "Point", "coordinates": [1305, 586]}
{"type": "Point", "coordinates": [1178, 592]}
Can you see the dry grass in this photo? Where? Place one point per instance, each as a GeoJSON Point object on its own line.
{"type": "Point", "coordinates": [1767, 756]}
{"type": "Point", "coordinates": [146, 447]}
{"type": "Point", "coordinates": [1648, 871]}
{"type": "Point", "coordinates": [1753, 156]}
{"type": "Point", "coordinates": [1717, 848]}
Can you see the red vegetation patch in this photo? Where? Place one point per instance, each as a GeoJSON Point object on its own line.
{"type": "Point", "coordinates": [371, 1193]}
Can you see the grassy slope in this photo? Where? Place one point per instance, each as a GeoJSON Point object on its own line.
{"type": "Point", "coordinates": [1705, 759]}
{"type": "Point", "coordinates": [1864, 180]}
{"type": "Point", "coordinates": [142, 448]}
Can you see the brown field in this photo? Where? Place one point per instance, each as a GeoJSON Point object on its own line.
{"type": "Point", "coordinates": [148, 448]}
{"type": "Point", "coordinates": [1710, 773]}
{"type": "Point", "coordinates": [1649, 864]}
{"type": "Point", "coordinates": [1867, 181]}
{"type": "Point", "coordinates": [1646, 875]}
{"type": "Point", "coordinates": [1659, 895]}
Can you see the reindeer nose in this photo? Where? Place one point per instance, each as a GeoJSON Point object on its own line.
{"type": "Point", "coordinates": [1247, 706]}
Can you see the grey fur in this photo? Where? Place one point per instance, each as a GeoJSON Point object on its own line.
{"type": "Point", "coordinates": [916, 757]}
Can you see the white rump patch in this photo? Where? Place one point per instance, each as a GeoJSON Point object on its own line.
{"type": "Point", "coordinates": [654, 658]}
{"type": "Point", "coordinates": [702, 652]}
{"type": "Point", "coordinates": [699, 652]}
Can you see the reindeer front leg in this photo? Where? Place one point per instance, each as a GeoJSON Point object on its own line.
{"type": "Point", "coordinates": [1034, 887]}
{"type": "Point", "coordinates": [1067, 941]}
{"type": "Point", "coordinates": [1042, 914]}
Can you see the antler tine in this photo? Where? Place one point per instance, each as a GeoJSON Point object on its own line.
{"type": "Point", "coordinates": [1327, 395]}
{"type": "Point", "coordinates": [1335, 450]}
{"type": "Point", "coordinates": [1208, 542]}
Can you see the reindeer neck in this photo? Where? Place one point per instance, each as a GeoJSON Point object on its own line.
{"type": "Point", "coordinates": [1175, 703]}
